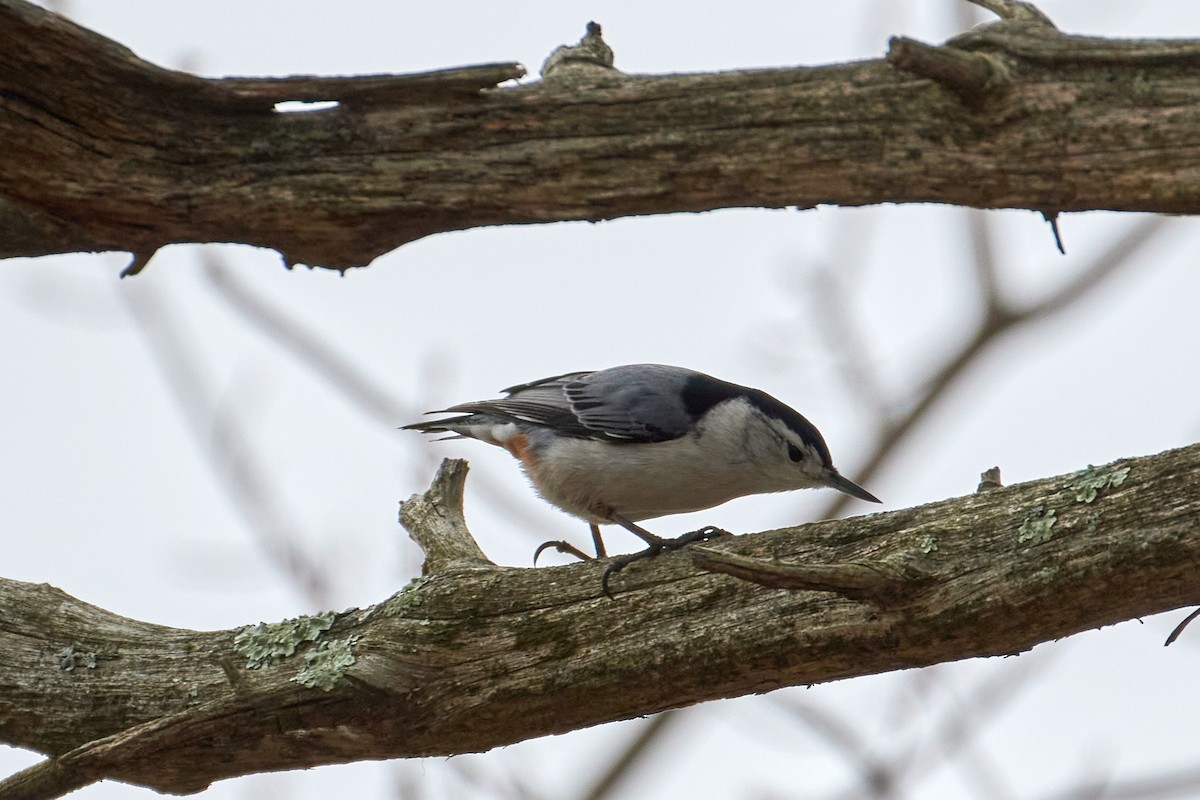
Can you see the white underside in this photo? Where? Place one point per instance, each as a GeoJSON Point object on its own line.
{"type": "Point", "coordinates": [641, 481]}
{"type": "Point", "coordinates": [592, 479]}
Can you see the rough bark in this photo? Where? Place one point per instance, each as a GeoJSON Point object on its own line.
{"type": "Point", "coordinates": [104, 151]}
{"type": "Point", "coordinates": [472, 656]}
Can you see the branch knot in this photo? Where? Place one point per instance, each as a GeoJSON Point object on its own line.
{"type": "Point", "coordinates": [591, 52]}
{"type": "Point", "coordinates": [435, 521]}
{"type": "Point", "coordinates": [970, 75]}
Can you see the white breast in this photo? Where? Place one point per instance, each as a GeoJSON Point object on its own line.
{"type": "Point", "coordinates": [639, 481]}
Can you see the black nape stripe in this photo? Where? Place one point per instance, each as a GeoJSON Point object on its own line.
{"type": "Point", "coordinates": [702, 392]}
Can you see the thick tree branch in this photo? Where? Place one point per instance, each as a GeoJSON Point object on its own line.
{"type": "Point", "coordinates": [108, 152]}
{"type": "Point", "coordinates": [469, 657]}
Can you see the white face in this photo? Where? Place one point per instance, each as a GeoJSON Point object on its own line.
{"type": "Point", "coordinates": [759, 454]}
{"type": "Point", "coordinates": [784, 458]}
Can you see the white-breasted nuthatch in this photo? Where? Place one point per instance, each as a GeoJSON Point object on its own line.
{"type": "Point", "coordinates": [645, 440]}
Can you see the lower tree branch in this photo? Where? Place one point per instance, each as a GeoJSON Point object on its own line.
{"type": "Point", "coordinates": [468, 658]}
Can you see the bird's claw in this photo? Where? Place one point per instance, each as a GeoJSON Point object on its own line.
{"type": "Point", "coordinates": [708, 533]}
{"type": "Point", "coordinates": [619, 563]}
{"type": "Point", "coordinates": [562, 547]}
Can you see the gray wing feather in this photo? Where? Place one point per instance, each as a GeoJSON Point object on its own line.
{"type": "Point", "coordinates": [635, 403]}
{"type": "Point", "coordinates": [554, 413]}
{"type": "Point", "coordinates": [554, 383]}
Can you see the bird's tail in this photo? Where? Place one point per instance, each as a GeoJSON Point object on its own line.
{"type": "Point", "coordinates": [454, 426]}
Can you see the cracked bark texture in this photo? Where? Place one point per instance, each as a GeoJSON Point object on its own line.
{"type": "Point", "coordinates": [472, 656]}
{"type": "Point", "coordinates": [108, 152]}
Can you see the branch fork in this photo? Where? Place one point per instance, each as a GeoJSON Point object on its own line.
{"type": "Point", "coordinates": [887, 582]}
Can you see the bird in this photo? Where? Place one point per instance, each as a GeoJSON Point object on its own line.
{"type": "Point", "coordinates": [640, 441]}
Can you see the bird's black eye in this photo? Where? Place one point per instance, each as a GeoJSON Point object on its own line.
{"type": "Point", "coordinates": [794, 453]}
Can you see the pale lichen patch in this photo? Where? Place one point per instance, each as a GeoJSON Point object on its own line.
{"type": "Point", "coordinates": [1037, 525]}
{"type": "Point", "coordinates": [325, 664]}
{"type": "Point", "coordinates": [264, 643]}
{"type": "Point", "coordinates": [1089, 483]}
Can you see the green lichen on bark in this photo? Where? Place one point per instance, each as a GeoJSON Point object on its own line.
{"type": "Point", "coordinates": [325, 664]}
{"type": "Point", "coordinates": [1037, 525]}
{"type": "Point", "coordinates": [267, 642]}
{"type": "Point", "coordinates": [1089, 483]}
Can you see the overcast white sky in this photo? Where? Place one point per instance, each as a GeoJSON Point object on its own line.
{"type": "Point", "coordinates": [110, 490]}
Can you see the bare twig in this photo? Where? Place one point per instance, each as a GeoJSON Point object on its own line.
{"type": "Point", "coordinates": [1179, 628]}
{"type": "Point", "coordinates": [1000, 319]}
{"type": "Point", "coordinates": [301, 341]}
{"type": "Point", "coordinates": [335, 367]}
{"type": "Point", "coordinates": [877, 777]}
{"type": "Point", "coordinates": [830, 307]}
{"type": "Point", "coordinates": [222, 439]}
{"type": "Point", "coordinates": [1015, 11]}
{"type": "Point", "coordinates": [985, 263]}
{"type": "Point", "coordinates": [1184, 783]}
{"type": "Point", "coordinates": [967, 719]}
{"type": "Point", "coordinates": [632, 754]}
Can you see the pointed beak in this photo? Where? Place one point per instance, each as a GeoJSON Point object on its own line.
{"type": "Point", "coordinates": [850, 487]}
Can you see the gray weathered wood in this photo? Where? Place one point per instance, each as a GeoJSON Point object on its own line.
{"type": "Point", "coordinates": [104, 151]}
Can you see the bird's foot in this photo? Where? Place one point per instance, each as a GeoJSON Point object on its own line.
{"type": "Point", "coordinates": [562, 547]}
{"type": "Point", "coordinates": [657, 545]}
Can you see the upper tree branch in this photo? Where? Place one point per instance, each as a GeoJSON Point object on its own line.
{"type": "Point", "coordinates": [107, 152]}
{"type": "Point", "coordinates": [470, 656]}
